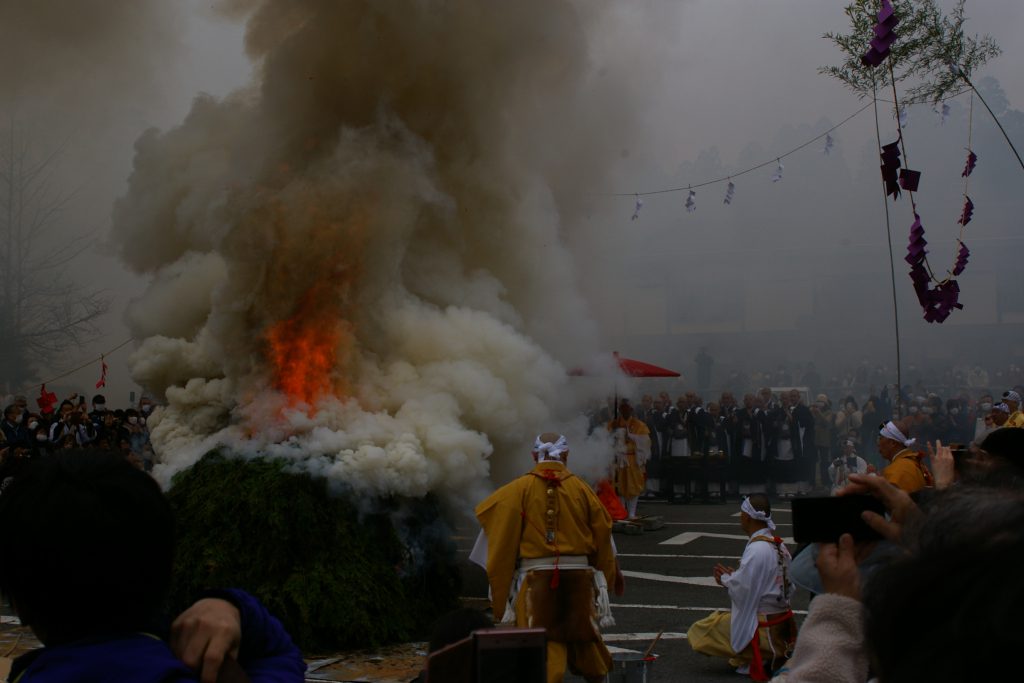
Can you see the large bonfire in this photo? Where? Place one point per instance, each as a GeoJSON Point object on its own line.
{"type": "Point", "coordinates": [357, 263]}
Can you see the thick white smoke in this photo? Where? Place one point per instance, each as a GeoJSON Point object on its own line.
{"type": "Point", "coordinates": [358, 262]}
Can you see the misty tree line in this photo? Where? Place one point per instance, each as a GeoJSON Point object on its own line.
{"type": "Point", "coordinates": [43, 314]}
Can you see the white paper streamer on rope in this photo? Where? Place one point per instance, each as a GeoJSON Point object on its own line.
{"type": "Point", "coordinates": [828, 144]}
{"type": "Point", "coordinates": [636, 209]}
{"type": "Point", "coordinates": [944, 114]}
{"type": "Point", "coordinates": [730, 189]}
{"type": "Point", "coordinates": [904, 117]}
{"type": "Point", "coordinates": [777, 176]}
{"type": "Point", "coordinates": [691, 204]}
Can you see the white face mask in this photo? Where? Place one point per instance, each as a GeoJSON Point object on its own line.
{"type": "Point", "coordinates": [913, 410]}
{"type": "Point", "coordinates": [133, 420]}
{"type": "Point", "coordinates": [954, 411]}
{"type": "Point", "coordinates": [986, 406]}
{"type": "Point", "coordinates": [147, 409]}
{"type": "Point", "coordinates": [40, 437]}
{"type": "Point", "coordinates": [33, 424]}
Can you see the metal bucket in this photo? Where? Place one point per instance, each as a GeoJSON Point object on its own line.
{"type": "Point", "coordinates": [630, 667]}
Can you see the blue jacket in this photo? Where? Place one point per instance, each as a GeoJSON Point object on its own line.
{"type": "Point", "coordinates": [267, 655]}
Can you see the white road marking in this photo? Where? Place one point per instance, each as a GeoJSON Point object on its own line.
{"type": "Point", "coordinates": [682, 557]}
{"type": "Point", "coordinates": [4, 619]}
{"type": "Point", "coordinates": [616, 606]}
{"type": "Point", "coordinates": [688, 536]}
{"type": "Point", "coordinates": [624, 637]}
{"type": "Point", "coordinates": [691, 580]}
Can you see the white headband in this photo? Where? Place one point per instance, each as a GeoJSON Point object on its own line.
{"type": "Point", "coordinates": [757, 514]}
{"type": "Point", "coordinates": [891, 431]}
{"type": "Point", "coordinates": [547, 451]}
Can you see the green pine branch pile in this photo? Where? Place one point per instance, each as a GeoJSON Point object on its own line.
{"type": "Point", "coordinates": [336, 578]}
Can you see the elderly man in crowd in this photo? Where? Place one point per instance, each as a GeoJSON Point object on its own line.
{"type": "Point", "coordinates": [905, 469]}
{"type": "Point", "coordinates": [550, 559]}
{"type": "Point", "coordinates": [758, 633]}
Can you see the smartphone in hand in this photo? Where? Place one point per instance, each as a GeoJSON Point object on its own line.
{"type": "Point", "coordinates": [824, 520]}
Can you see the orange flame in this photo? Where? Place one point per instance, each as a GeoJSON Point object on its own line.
{"type": "Point", "coordinates": [303, 349]}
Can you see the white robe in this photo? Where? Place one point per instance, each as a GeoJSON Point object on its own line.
{"type": "Point", "coordinates": [840, 475]}
{"type": "Point", "coordinates": [756, 588]}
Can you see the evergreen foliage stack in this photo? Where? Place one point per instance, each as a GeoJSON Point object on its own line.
{"type": "Point", "coordinates": [336, 578]}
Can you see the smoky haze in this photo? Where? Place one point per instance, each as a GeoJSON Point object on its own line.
{"type": "Point", "coordinates": [443, 179]}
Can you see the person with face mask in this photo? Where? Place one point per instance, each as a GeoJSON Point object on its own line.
{"type": "Point", "coordinates": [138, 436]}
{"type": "Point", "coordinates": [99, 409]}
{"type": "Point", "coordinates": [961, 427]}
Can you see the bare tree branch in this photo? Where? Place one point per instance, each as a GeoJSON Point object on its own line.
{"type": "Point", "coordinates": [42, 313]}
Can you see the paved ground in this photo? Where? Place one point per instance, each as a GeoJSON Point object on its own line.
{"type": "Point", "coordinates": [669, 585]}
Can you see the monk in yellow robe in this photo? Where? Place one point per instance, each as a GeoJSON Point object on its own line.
{"type": "Point", "coordinates": [905, 470]}
{"type": "Point", "coordinates": [550, 560]}
{"type": "Point", "coordinates": [632, 444]}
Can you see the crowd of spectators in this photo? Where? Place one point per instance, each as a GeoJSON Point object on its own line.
{"type": "Point", "coordinates": [74, 424]}
{"type": "Point", "coordinates": [791, 437]}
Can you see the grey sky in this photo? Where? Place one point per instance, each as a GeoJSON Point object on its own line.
{"type": "Point", "coordinates": [732, 72]}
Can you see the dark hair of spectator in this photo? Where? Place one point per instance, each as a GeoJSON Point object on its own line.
{"type": "Point", "coordinates": [99, 398]}
{"type": "Point", "coordinates": [1006, 444]}
{"type": "Point", "coordinates": [88, 546]}
{"type": "Point", "coordinates": [946, 611]}
{"type": "Point", "coordinates": [456, 625]}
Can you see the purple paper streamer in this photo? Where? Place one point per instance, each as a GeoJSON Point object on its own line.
{"type": "Point", "coordinates": [968, 212]}
{"type": "Point", "coordinates": [938, 302]}
{"type": "Point", "coordinates": [890, 168]}
{"type": "Point", "coordinates": [972, 159]}
{"type": "Point", "coordinates": [961, 259]}
{"type": "Point", "coordinates": [909, 180]}
{"type": "Point", "coordinates": [884, 36]}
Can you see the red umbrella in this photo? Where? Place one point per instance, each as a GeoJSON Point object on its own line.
{"type": "Point", "coordinates": [638, 368]}
{"type": "Point", "coordinates": [633, 368]}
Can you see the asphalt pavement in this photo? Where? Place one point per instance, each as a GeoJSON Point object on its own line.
{"type": "Point", "coordinates": [669, 585]}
